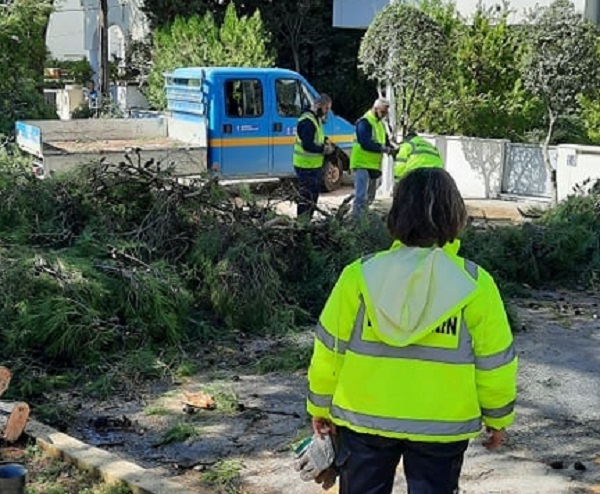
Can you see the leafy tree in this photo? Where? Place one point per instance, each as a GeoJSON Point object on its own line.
{"type": "Point", "coordinates": [407, 48]}
{"type": "Point", "coordinates": [303, 38]}
{"type": "Point", "coordinates": [295, 24]}
{"type": "Point", "coordinates": [493, 101]}
{"type": "Point", "coordinates": [162, 13]}
{"type": "Point", "coordinates": [482, 93]}
{"type": "Point", "coordinates": [590, 106]}
{"type": "Point", "coordinates": [199, 41]}
{"type": "Point", "coordinates": [22, 54]}
{"type": "Point", "coordinates": [562, 63]}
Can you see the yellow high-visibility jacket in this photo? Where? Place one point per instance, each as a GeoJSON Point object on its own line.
{"type": "Point", "coordinates": [414, 343]}
{"type": "Point", "coordinates": [361, 158]}
{"type": "Point", "coordinates": [416, 153]}
{"type": "Point", "coordinates": [306, 159]}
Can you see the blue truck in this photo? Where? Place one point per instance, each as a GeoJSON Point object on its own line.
{"type": "Point", "coordinates": [239, 123]}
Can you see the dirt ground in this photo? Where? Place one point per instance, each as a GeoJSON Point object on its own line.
{"type": "Point", "coordinates": [243, 446]}
{"type": "Point", "coordinates": [480, 209]}
{"type": "Point", "coordinates": [47, 475]}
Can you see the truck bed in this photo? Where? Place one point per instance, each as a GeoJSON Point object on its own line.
{"type": "Point", "coordinates": [62, 145]}
{"type": "Point", "coordinates": [114, 145]}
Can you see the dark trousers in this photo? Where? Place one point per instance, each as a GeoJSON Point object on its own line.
{"type": "Point", "coordinates": [309, 186]}
{"type": "Point", "coordinates": [368, 463]}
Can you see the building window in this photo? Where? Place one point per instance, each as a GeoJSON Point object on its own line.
{"type": "Point", "coordinates": [244, 98]}
{"type": "Point", "coordinates": [293, 97]}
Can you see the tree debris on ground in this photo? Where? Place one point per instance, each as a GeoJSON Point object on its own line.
{"type": "Point", "coordinates": [116, 268]}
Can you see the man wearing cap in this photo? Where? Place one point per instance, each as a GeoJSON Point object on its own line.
{"type": "Point", "coordinates": [370, 144]}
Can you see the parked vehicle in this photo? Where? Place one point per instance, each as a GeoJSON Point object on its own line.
{"type": "Point", "coordinates": [239, 123]}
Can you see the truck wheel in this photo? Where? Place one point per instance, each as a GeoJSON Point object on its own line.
{"type": "Point", "coordinates": [333, 172]}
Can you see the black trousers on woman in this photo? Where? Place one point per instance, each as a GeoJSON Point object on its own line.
{"type": "Point", "coordinates": [368, 463]}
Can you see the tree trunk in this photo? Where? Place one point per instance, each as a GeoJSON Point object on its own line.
{"type": "Point", "coordinates": [393, 122]}
{"type": "Point", "coordinates": [546, 153]}
{"type": "Point", "coordinates": [404, 115]}
{"type": "Point", "coordinates": [296, 55]}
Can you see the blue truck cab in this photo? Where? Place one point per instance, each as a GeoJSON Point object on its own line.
{"type": "Point", "coordinates": [250, 116]}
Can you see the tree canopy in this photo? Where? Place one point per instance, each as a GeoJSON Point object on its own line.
{"type": "Point", "coordinates": [405, 47]}
{"type": "Point", "coordinates": [199, 41]}
{"type": "Point", "coordinates": [562, 63]}
{"type": "Point", "coordinates": [22, 54]}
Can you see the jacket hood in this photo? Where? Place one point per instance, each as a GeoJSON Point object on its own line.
{"type": "Point", "coordinates": [411, 290]}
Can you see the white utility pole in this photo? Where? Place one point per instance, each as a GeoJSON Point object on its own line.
{"type": "Point", "coordinates": [386, 187]}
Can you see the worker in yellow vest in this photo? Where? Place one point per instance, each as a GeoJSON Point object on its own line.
{"type": "Point", "coordinates": [371, 142]}
{"type": "Point", "coordinates": [415, 152]}
{"type": "Point", "coordinates": [310, 150]}
{"type": "Point", "coordinates": [413, 351]}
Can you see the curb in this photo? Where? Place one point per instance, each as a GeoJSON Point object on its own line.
{"type": "Point", "coordinates": [109, 467]}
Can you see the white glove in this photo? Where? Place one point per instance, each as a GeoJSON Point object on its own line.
{"type": "Point", "coordinates": [314, 457]}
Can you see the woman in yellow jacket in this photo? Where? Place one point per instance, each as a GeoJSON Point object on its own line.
{"type": "Point", "coordinates": [413, 351]}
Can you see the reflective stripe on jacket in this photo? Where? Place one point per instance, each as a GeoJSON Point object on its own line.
{"type": "Point", "coordinates": [361, 158]}
{"type": "Point", "coordinates": [416, 153]}
{"type": "Point", "coordinates": [303, 158]}
{"type": "Point", "coordinates": [414, 343]}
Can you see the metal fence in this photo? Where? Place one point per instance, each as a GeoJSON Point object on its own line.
{"type": "Point", "coordinates": [525, 173]}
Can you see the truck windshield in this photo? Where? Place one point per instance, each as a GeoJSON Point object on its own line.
{"type": "Point", "coordinates": [292, 97]}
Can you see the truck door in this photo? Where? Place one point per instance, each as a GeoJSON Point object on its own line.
{"type": "Point", "coordinates": [243, 135]}
{"type": "Point", "coordinates": [291, 98]}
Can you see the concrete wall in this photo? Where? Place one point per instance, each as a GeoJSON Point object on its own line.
{"type": "Point", "coordinates": [488, 168]}
{"type": "Point", "coordinates": [576, 165]}
{"type": "Point", "coordinates": [475, 164]}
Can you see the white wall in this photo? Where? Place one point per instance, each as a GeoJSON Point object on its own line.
{"type": "Point", "coordinates": [576, 164]}
{"type": "Point", "coordinates": [360, 13]}
{"type": "Point", "coordinates": [477, 166]}
{"type": "Point", "coordinates": [66, 34]}
{"type": "Point", "coordinates": [467, 7]}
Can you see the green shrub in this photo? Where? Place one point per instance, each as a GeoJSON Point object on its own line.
{"type": "Point", "coordinates": [563, 246]}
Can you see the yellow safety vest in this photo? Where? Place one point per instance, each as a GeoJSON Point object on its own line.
{"type": "Point", "coordinates": [303, 158]}
{"type": "Point", "coordinates": [414, 344]}
{"type": "Point", "coordinates": [361, 158]}
{"type": "Point", "coordinates": [416, 153]}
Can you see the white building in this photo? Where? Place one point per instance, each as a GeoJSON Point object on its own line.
{"type": "Point", "coordinates": [359, 13]}
{"type": "Point", "coordinates": [73, 30]}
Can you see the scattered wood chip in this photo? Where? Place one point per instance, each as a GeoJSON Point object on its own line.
{"type": "Point", "coordinates": [16, 422]}
{"type": "Point", "coordinates": [198, 400]}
